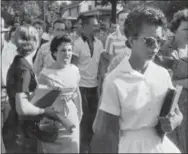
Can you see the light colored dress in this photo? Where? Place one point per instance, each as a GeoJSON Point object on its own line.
{"type": "Point", "coordinates": [137, 99]}
{"type": "Point", "coordinates": [67, 77]}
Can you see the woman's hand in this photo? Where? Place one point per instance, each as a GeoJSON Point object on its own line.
{"type": "Point", "coordinates": [173, 120]}
{"type": "Point", "coordinates": [51, 113]}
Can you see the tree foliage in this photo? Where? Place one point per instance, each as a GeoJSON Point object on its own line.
{"type": "Point", "coordinates": [113, 6]}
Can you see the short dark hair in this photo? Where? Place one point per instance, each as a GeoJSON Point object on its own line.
{"type": "Point", "coordinates": [57, 41]}
{"type": "Point", "coordinates": [179, 16]}
{"type": "Point", "coordinates": [59, 21]}
{"type": "Point", "coordinates": [143, 15]}
{"type": "Point", "coordinates": [39, 22]}
{"type": "Point", "coordinates": [120, 12]}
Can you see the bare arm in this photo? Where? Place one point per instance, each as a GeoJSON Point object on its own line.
{"type": "Point", "coordinates": [76, 53]}
{"type": "Point", "coordinates": [78, 102]}
{"type": "Point", "coordinates": [24, 107]}
{"type": "Point", "coordinates": [106, 133]}
{"type": "Point", "coordinates": [106, 124]}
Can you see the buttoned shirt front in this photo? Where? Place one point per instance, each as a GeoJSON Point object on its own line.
{"type": "Point", "coordinates": [87, 64]}
{"type": "Point", "coordinates": [137, 98]}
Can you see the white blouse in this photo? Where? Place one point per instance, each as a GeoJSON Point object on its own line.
{"type": "Point", "coordinates": [137, 98]}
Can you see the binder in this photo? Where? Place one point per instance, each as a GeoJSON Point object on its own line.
{"type": "Point", "coordinates": [170, 102]}
{"type": "Point", "coordinates": [44, 96]}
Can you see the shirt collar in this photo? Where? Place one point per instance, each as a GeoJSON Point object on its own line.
{"type": "Point", "coordinates": [125, 67]}
{"type": "Point", "coordinates": [85, 38]}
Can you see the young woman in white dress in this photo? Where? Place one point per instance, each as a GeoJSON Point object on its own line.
{"type": "Point", "coordinates": [134, 92]}
{"type": "Point", "coordinates": [65, 76]}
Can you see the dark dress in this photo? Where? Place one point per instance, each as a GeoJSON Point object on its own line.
{"type": "Point", "coordinates": [171, 59]}
{"type": "Point", "coordinates": [20, 78]}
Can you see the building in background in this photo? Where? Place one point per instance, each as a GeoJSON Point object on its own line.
{"type": "Point", "coordinates": [73, 10]}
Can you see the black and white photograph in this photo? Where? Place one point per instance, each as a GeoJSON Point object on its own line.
{"type": "Point", "coordinates": [94, 76]}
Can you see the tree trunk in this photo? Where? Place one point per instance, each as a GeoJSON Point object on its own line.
{"type": "Point", "coordinates": [113, 11]}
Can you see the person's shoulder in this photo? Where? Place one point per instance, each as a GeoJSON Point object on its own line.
{"type": "Point", "coordinates": [11, 45]}
{"type": "Point", "coordinates": [78, 40]}
{"type": "Point", "coordinates": [74, 67]}
{"type": "Point", "coordinates": [159, 69]}
{"type": "Point", "coordinates": [98, 41]}
{"type": "Point", "coordinates": [45, 48]}
{"type": "Point", "coordinates": [113, 35]}
{"type": "Point", "coordinates": [45, 45]}
{"type": "Point", "coordinates": [113, 74]}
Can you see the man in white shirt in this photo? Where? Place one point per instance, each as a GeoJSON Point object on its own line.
{"type": "Point", "coordinates": [8, 52]}
{"type": "Point", "coordinates": [86, 54]}
{"type": "Point", "coordinates": [43, 57]}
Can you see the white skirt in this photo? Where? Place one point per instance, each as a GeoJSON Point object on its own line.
{"type": "Point", "coordinates": [66, 142]}
{"type": "Point", "coordinates": [145, 140]}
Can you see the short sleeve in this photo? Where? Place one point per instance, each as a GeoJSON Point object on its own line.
{"type": "Point", "coordinates": [78, 74]}
{"type": "Point", "coordinates": [110, 102]}
{"type": "Point", "coordinates": [22, 82]}
{"type": "Point", "coordinates": [76, 50]}
{"type": "Point", "coordinates": [169, 81]}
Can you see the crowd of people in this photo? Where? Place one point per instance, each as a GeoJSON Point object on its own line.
{"type": "Point", "coordinates": [111, 85]}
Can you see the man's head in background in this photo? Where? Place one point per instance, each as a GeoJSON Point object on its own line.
{"type": "Point", "coordinates": [40, 26]}
{"type": "Point", "coordinates": [59, 27]}
{"type": "Point", "coordinates": [90, 25]}
{"type": "Point", "coordinates": [78, 26]}
{"type": "Point", "coordinates": [120, 19]}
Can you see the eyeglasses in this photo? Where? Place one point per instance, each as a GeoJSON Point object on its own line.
{"type": "Point", "coordinates": [153, 42]}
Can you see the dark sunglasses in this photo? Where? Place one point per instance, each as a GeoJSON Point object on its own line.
{"type": "Point", "coordinates": [154, 42]}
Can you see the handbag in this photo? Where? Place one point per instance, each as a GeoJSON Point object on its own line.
{"type": "Point", "coordinates": [47, 133]}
